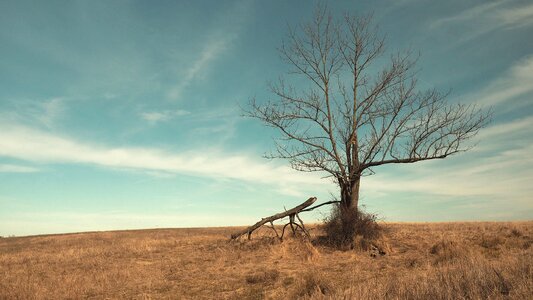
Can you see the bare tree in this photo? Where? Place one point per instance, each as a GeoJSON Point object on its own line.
{"type": "Point", "coordinates": [358, 109]}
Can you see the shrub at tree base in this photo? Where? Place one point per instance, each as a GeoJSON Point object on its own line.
{"type": "Point", "coordinates": [350, 229]}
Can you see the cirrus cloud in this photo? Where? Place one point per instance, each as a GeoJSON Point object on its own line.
{"type": "Point", "coordinates": [30, 144]}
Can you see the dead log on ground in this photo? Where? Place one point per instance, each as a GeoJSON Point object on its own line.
{"type": "Point", "coordinates": [291, 213]}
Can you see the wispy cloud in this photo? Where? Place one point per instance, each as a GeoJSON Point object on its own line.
{"type": "Point", "coordinates": [8, 168]}
{"type": "Point", "coordinates": [52, 109]}
{"type": "Point", "coordinates": [484, 10]}
{"type": "Point", "coordinates": [31, 144]}
{"type": "Point", "coordinates": [214, 47]}
{"type": "Point", "coordinates": [487, 17]}
{"type": "Point", "coordinates": [41, 112]}
{"type": "Point", "coordinates": [517, 17]}
{"type": "Point", "coordinates": [507, 129]}
{"type": "Point", "coordinates": [162, 116]}
{"type": "Point", "coordinates": [508, 88]}
{"type": "Point", "coordinates": [225, 32]}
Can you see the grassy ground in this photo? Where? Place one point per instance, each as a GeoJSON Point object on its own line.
{"type": "Point", "coordinates": [423, 261]}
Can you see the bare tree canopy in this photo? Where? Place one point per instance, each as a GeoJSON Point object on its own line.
{"type": "Point", "coordinates": [359, 109]}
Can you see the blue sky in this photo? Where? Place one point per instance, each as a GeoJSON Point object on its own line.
{"type": "Point", "coordinates": [125, 114]}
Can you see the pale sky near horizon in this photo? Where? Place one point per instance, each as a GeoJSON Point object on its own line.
{"type": "Point", "coordinates": [125, 114]}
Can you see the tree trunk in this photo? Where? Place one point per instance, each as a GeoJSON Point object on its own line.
{"type": "Point", "coordinates": [350, 195]}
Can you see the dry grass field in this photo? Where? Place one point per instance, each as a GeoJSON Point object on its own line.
{"type": "Point", "coordinates": [422, 261]}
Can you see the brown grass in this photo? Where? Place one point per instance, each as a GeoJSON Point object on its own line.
{"type": "Point", "coordinates": [423, 261]}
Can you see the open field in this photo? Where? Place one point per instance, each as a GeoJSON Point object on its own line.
{"type": "Point", "coordinates": [423, 261]}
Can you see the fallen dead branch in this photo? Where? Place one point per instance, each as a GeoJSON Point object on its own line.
{"type": "Point", "coordinates": [319, 205]}
{"type": "Point", "coordinates": [291, 213]}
